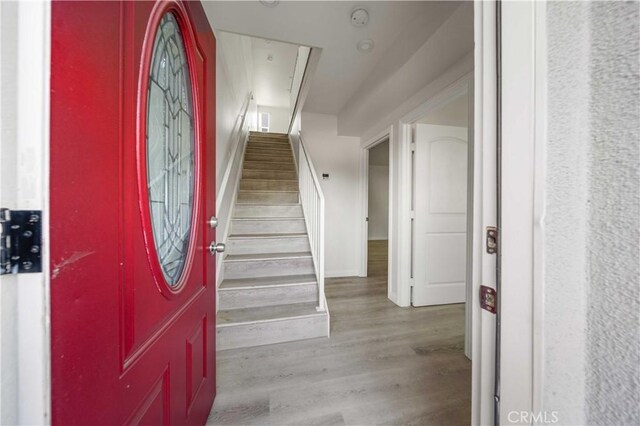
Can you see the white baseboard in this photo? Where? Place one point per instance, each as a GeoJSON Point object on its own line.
{"type": "Point", "coordinates": [341, 273]}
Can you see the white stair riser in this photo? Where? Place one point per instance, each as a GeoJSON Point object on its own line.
{"type": "Point", "coordinates": [267, 296]}
{"type": "Point", "coordinates": [267, 197]}
{"type": "Point", "coordinates": [259, 226]}
{"type": "Point", "coordinates": [269, 332]}
{"type": "Point", "coordinates": [268, 268]}
{"type": "Point", "coordinates": [279, 139]}
{"type": "Point", "coordinates": [256, 149]}
{"type": "Point", "coordinates": [268, 144]}
{"type": "Point", "coordinates": [270, 158]}
{"type": "Point", "coordinates": [268, 185]}
{"type": "Point", "coordinates": [248, 210]}
{"type": "Point", "coordinates": [265, 165]}
{"type": "Point", "coordinates": [269, 174]}
{"type": "Point", "coordinates": [268, 245]}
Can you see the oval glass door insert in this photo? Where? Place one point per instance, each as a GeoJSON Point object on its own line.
{"type": "Point", "coordinates": [170, 149]}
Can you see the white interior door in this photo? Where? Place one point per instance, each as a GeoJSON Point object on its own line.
{"type": "Point", "coordinates": [440, 225]}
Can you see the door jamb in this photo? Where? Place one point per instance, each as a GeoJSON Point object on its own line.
{"type": "Point", "coordinates": [25, 397]}
{"type": "Point", "coordinates": [524, 133]}
{"type": "Point", "coordinates": [386, 134]}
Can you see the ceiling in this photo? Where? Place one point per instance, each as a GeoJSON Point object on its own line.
{"type": "Point", "coordinates": [398, 29]}
{"type": "Point", "coordinates": [272, 78]}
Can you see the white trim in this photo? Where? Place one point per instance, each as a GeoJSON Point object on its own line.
{"type": "Point", "coordinates": [385, 134]}
{"type": "Point", "coordinates": [522, 204]}
{"type": "Point", "coordinates": [341, 273]}
{"type": "Point", "coordinates": [471, 220]}
{"type": "Point", "coordinates": [539, 171]}
{"type": "Point", "coordinates": [26, 150]}
{"type": "Point", "coordinates": [484, 210]}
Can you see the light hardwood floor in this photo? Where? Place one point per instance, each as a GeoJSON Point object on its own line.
{"type": "Point", "coordinates": [382, 365]}
{"type": "Point", "coordinates": [377, 261]}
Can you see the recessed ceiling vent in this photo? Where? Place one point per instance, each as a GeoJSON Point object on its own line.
{"type": "Point", "coordinates": [359, 17]}
{"type": "Point", "coordinates": [365, 46]}
{"type": "Point", "coordinates": [270, 3]}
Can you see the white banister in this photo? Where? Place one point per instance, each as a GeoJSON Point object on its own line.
{"type": "Point", "coordinates": [312, 201]}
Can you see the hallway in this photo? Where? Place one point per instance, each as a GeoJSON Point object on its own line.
{"type": "Point", "coordinates": [382, 365]}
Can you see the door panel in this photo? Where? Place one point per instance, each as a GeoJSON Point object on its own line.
{"type": "Point", "coordinates": [126, 346]}
{"type": "Point", "coordinates": [440, 237]}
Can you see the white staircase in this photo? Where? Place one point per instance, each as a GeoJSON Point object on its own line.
{"type": "Point", "coordinates": [270, 291]}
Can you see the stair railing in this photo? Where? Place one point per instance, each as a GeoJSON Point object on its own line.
{"type": "Point", "coordinates": [312, 201]}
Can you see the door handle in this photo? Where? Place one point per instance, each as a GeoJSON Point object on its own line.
{"type": "Point", "coordinates": [216, 248]}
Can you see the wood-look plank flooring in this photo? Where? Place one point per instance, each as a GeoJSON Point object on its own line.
{"type": "Point", "coordinates": [382, 365]}
{"type": "Point", "coordinates": [377, 258]}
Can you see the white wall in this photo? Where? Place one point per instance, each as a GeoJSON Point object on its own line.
{"type": "Point", "coordinates": [378, 202]}
{"type": "Point", "coordinates": [234, 82]}
{"type": "Point", "coordinates": [592, 256]}
{"type": "Point", "coordinates": [338, 156]}
{"type": "Point", "coordinates": [378, 192]}
{"type": "Point", "coordinates": [279, 120]}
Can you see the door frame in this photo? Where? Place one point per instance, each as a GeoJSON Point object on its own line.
{"type": "Point", "coordinates": [25, 397]}
{"type": "Point", "coordinates": [32, 371]}
{"type": "Point", "coordinates": [462, 86]}
{"type": "Point", "coordinates": [523, 135]}
{"type": "Point", "coordinates": [385, 135]}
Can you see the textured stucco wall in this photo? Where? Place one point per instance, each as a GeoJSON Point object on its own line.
{"type": "Point", "coordinates": [613, 265]}
{"type": "Point", "coordinates": [592, 258]}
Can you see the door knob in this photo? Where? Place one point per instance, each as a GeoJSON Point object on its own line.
{"type": "Point", "coordinates": [216, 247]}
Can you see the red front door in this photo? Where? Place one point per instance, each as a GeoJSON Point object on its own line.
{"type": "Point", "coordinates": [132, 189]}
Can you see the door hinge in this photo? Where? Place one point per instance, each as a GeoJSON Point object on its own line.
{"type": "Point", "coordinates": [413, 147]}
{"type": "Point", "coordinates": [492, 239]}
{"type": "Point", "coordinates": [412, 214]}
{"type": "Point", "coordinates": [20, 241]}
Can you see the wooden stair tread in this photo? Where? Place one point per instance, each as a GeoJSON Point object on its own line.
{"type": "Point", "coordinates": [273, 235]}
{"type": "Point", "coordinates": [266, 256]}
{"type": "Point", "coordinates": [267, 190]}
{"type": "Point", "coordinates": [268, 219]}
{"type": "Point", "coordinates": [267, 313]}
{"type": "Point", "coordinates": [267, 180]}
{"type": "Point", "coordinates": [263, 204]}
{"type": "Point", "coordinates": [267, 281]}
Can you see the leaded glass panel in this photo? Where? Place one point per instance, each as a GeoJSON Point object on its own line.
{"type": "Point", "coordinates": [170, 149]}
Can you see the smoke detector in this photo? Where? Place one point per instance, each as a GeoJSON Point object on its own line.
{"type": "Point", "coordinates": [270, 3]}
{"type": "Point", "coordinates": [359, 17]}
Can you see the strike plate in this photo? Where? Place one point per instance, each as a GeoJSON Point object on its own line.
{"type": "Point", "coordinates": [492, 239]}
{"type": "Point", "coordinates": [488, 299]}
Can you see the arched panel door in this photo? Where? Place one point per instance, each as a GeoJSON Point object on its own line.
{"type": "Point", "coordinates": [132, 189]}
{"type": "Point", "coordinates": [440, 224]}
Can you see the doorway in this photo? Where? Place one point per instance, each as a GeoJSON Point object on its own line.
{"type": "Point", "coordinates": [439, 139]}
{"type": "Point", "coordinates": [439, 198]}
{"type": "Point", "coordinates": [378, 210]}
